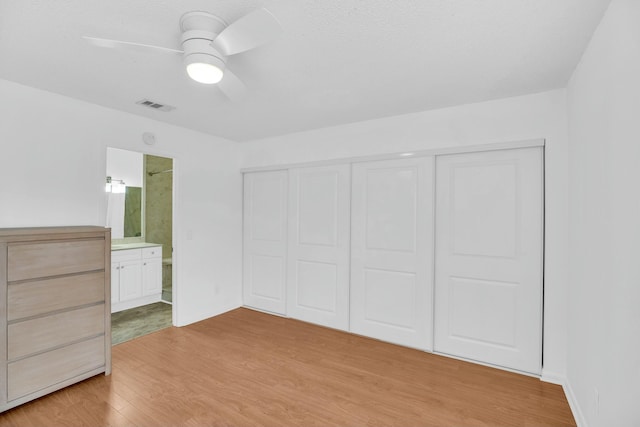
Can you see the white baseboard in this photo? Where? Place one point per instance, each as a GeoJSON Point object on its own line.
{"type": "Point", "coordinates": [264, 311]}
{"type": "Point", "coordinates": [573, 404]}
{"type": "Point", "coordinates": [197, 317]}
{"type": "Point", "coordinates": [552, 377]}
{"type": "Point", "coordinates": [555, 378]}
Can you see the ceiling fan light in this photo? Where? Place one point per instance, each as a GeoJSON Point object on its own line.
{"type": "Point", "coordinates": [204, 73]}
{"type": "Point", "coordinates": [204, 68]}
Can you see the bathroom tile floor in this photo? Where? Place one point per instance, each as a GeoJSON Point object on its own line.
{"type": "Point", "coordinates": [136, 322]}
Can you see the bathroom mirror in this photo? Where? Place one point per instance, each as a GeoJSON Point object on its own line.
{"type": "Point", "coordinates": [133, 212]}
{"type": "Point", "coordinates": [125, 195]}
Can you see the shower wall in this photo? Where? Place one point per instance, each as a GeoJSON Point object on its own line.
{"type": "Point", "coordinates": [158, 204]}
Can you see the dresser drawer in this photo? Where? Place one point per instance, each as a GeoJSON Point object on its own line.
{"type": "Point", "coordinates": [35, 373]}
{"type": "Point", "coordinates": [44, 296]}
{"type": "Point", "coordinates": [35, 260]}
{"type": "Point", "coordinates": [44, 333]}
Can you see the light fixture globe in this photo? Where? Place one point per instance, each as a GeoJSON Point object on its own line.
{"type": "Point", "coordinates": [203, 62]}
{"type": "Point", "coordinates": [203, 68]}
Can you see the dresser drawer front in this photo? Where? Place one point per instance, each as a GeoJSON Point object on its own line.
{"type": "Point", "coordinates": [44, 333]}
{"type": "Point", "coordinates": [35, 373]}
{"type": "Point", "coordinates": [44, 296]}
{"type": "Point", "coordinates": [35, 260]}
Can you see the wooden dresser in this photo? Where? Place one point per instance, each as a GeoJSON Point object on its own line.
{"type": "Point", "coordinates": [55, 309]}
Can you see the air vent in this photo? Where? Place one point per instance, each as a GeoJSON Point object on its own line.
{"type": "Point", "coordinates": [155, 105]}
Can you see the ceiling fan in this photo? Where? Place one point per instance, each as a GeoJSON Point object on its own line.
{"type": "Point", "coordinates": [207, 41]}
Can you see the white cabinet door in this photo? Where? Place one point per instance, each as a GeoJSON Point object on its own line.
{"type": "Point", "coordinates": [115, 282]}
{"type": "Point", "coordinates": [318, 250]}
{"type": "Point", "coordinates": [130, 280]}
{"type": "Point", "coordinates": [489, 231]}
{"type": "Point", "coordinates": [151, 276]}
{"type": "Point", "coordinates": [392, 251]}
{"type": "Point", "coordinates": [265, 240]}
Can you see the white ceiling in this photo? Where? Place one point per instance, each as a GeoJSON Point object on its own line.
{"type": "Point", "coordinates": [337, 61]}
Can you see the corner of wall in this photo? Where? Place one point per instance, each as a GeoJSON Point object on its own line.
{"type": "Point", "coordinates": [573, 404]}
{"type": "Point", "coordinates": [194, 318]}
{"type": "Point", "coordinates": [562, 380]}
{"type": "Point", "coordinates": [552, 377]}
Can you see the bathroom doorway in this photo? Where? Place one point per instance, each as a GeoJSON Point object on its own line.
{"type": "Point", "coordinates": [140, 195]}
{"type": "Point", "coordinates": [159, 214]}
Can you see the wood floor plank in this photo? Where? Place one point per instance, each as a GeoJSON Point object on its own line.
{"type": "Point", "coordinates": [249, 368]}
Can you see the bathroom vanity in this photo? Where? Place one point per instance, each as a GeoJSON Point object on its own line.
{"type": "Point", "coordinates": [55, 321]}
{"type": "Point", "coordinates": [136, 275]}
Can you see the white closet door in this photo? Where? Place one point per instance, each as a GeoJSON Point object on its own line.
{"type": "Point", "coordinates": [392, 251]}
{"type": "Point", "coordinates": [318, 252]}
{"type": "Point", "coordinates": [265, 240]}
{"type": "Point", "coordinates": [489, 216]}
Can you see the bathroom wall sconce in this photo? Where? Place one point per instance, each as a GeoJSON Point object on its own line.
{"type": "Point", "coordinates": [115, 186]}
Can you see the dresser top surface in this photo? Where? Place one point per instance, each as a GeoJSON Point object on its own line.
{"type": "Point", "coordinates": [32, 231]}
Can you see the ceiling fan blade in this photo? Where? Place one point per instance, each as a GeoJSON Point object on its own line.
{"type": "Point", "coordinates": [232, 87]}
{"type": "Point", "coordinates": [250, 31]}
{"type": "Point", "coordinates": [137, 47]}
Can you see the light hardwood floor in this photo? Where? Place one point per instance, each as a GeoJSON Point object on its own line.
{"type": "Point", "coordinates": [245, 368]}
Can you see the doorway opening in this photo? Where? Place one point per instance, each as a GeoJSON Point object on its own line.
{"type": "Point", "coordinates": [140, 214]}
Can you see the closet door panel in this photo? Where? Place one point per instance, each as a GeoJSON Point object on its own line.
{"type": "Point", "coordinates": [388, 297]}
{"type": "Point", "coordinates": [489, 220]}
{"type": "Point", "coordinates": [318, 258]}
{"type": "Point", "coordinates": [265, 242]}
{"type": "Point", "coordinates": [266, 276]}
{"type": "Point", "coordinates": [392, 251]}
{"type": "Point", "coordinates": [316, 286]}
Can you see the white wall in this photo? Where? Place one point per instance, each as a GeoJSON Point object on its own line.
{"type": "Point", "coordinates": [126, 166]}
{"type": "Point", "coordinates": [53, 168]}
{"type": "Point", "coordinates": [604, 316]}
{"type": "Point", "coordinates": [527, 117]}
